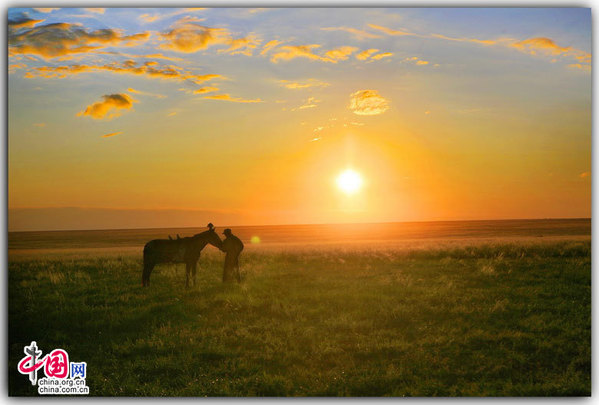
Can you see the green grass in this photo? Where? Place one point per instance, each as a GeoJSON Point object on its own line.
{"type": "Point", "coordinates": [487, 320]}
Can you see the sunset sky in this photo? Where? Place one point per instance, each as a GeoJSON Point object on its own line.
{"type": "Point", "coordinates": [122, 118]}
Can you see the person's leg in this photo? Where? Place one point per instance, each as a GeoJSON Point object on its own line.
{"type": "Point", "coordinates": [228, 268]}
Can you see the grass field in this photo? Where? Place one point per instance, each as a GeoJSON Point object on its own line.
{"type": "Point", "coordinates": [472, 316]}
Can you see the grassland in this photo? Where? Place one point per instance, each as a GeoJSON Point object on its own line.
{"type": "Point", "coordinates": [465, 319]}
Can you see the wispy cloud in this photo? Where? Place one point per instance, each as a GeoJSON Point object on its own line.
{"type": "Point", "coordinates": [40, 125]}
{"type": "Point", "coordinates": [368, 102]}
{"type": "Point", "coordinates": [269, 45]}
{"type": "Point", "coordinates": [390, 31]}
{"type": "Point", "coordinates": [112, 134]}
{"type": "Point", "coordinates": [60, 39]}
{"type": "Point", "coordinates": [45, 10]}
{"type": "Point", "coordinates": [360, 34]}
{"type": "Point", "coordinates": [95, 10]}
{"type": "Point", "coordinates": [311, 102]}
{"type": "Point", "coordinates": [364, 55]}
{"type": "Point", "coordinates": [289, 52]}
{"type": "Point", "coordinates": [382, 55]}
{"type": "Point", "coordinates": [584, 175]}
{"type": "Point", "coordinates": [341, 53]}
{"type": "Point", "coordinates": [144, 93]}
{"type": "Point", "coordinates": [296, 85]}
{"type": "Point", "coordinates": [148, 69]}
{"type": "Point", "coordinates": [416, 60]}
{"type": "Point", "coordinates": [227, 97]}
{"type": "Point", "coordinates": [188, 36]}
{"type": "Point", "coordinates": [204, 90]}
{"type": "Point", "coordinates": [109, 107]}
{"type": "Point", "coordinates": [474, 40]}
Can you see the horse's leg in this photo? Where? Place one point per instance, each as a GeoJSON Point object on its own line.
{"type": "Point", "coordinates": [145, 277]}
{"type": "Point", "coordinates": [194, 269]}
{"type": "Point", "coordinates": [187, 271]}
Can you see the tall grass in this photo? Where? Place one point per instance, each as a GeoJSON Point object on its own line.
{"type": "Point", "coordinates": [486, 320]}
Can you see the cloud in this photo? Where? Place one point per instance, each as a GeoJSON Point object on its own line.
{"type": "Point", "coordinates": [366, 54]}
{"type": "Point", "coordinates": [244, 46]}
{"type": "Point", "coordinates": [360, 34]}
{"type": "Point", "coordinates": [207, 89]}
{"type": "Point", "coordinates": [540, 44]}
{"type": "Point", "coordinates": [172, 114]}
{"type": "Point", "coordinates": [112, 134]}
{"type": "Point", "coordinates": [109, 106]}
{"type": "Point", "coordinates": [60, 39]}
{"type": "Point", "coordinates": [269, 45]}
{"type": "Point", "coordinates": [382, 55]}
{"type": "Point", "coordinates": [341, 53]}
{"type": "Point", "coordinates": [390, 31]}
{"type": "Point", "coordinates": [311, 102]}
{"type": "Point", "coordinates": [417, 61]}
{"type": "Point", "coordinates": [584, 175]}
{"type": "Point", "coordinates": [227, 97]}
{"type": "Point", "coordinates": [23, 22]}
{"type": "Point", "coordinates": [148, 69]}
{"type": "Point", "coordinates": [40, 125]}
{"type": "Point", "coordinates": [580, 66]}
{"type": "Point", "coordinates": [95, 10]}
{"type": "Point", "coordinates": [187, 36]}
{"type": "Point", "coordinates": [303, 85]}
{"type": "Point", "coordinates": [474, 40]}
{"type": "Point", "coordinates": [368, 102]}
{"type": "Point", "coordinates": [289, 52]}
{"type": "Point", "coordinates": [143, 93]}
{"type": "Point", "coordinates": [45, 10]}
{"type": "Point", "coordinates": [149, 18]}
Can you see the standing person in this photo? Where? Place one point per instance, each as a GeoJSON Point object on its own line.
{"type": "Point", "coordinates": [232, 246]}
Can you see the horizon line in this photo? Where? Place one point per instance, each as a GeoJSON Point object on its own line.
{"type": "Point", "coordinates": [310, 224]}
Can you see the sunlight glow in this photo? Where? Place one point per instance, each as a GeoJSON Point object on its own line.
{"type": "Point", "coordinates": [349, 181]}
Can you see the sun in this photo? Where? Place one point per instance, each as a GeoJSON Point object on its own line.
{"type": "Point", "coordinates": [349, 181]}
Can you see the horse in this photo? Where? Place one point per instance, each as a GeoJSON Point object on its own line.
{"type": "Point", "coordinates": [181, 250]}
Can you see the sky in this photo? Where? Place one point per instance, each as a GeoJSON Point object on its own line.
{"type": "Point", "coordinates": [138, 118]}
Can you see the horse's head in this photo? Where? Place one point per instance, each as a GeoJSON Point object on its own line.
{"type": "Point", "coordinates": [210, 236]}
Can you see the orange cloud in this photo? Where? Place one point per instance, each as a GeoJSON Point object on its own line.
{"type": "Point", "coordinates": [360, 34]}
{"type": "Point", "coordinates": [45, 10]}
{"type": "Point", "coordinates": [207, 89]}
{"type": "Point", "coordinates": [148, 70]}
{"type": "Point", "coordinates": [584, 175]}
{"type": "Point", "coordinates": [60, 39]}
{"type": "Point", "coordinates": [111, 134]}
{"type": "Point", "coordinates": [390, 31]}
{"type": "Point", "coordinates": [380, 56]}
{"type": "Point", "coordinates": [244, 46]}
{"type": "Point", "coordinates": [23, 23]}
{"type": "Point", "coordinates": [417, 61]}
{"type": "Point", "coordinates": [96, 10]}
{"type": "Point", "coordinates": [269, 45]}
{"type": "Point", "coordinates": [227, 97]}
{"type": "Point", "coordinates": [188, 36]}
{"type": "Point", "coordinates": [341, 53]}
{"type": "Point", "coordinates": [143, 93]}
{"type": "Point", "coordinates": [303, 85]}
{"type": "Point", "coordinates": [109, 106]}
{"type": "Point", "coordinates": [289, 52]}
{"type": "Point", "coordinates": [368, 102]}
{"type": "Point", "coordinates": [366, 54]}
{"type": "Point", "coordinates": [474, 40]}
{"type": "Point", "coordinates": [540, 44]}
{"type": "Point", "coordinates": [311, 102]}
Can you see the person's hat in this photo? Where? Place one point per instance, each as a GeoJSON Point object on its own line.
{"type": "Point", "coordinates": [227, 231]}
